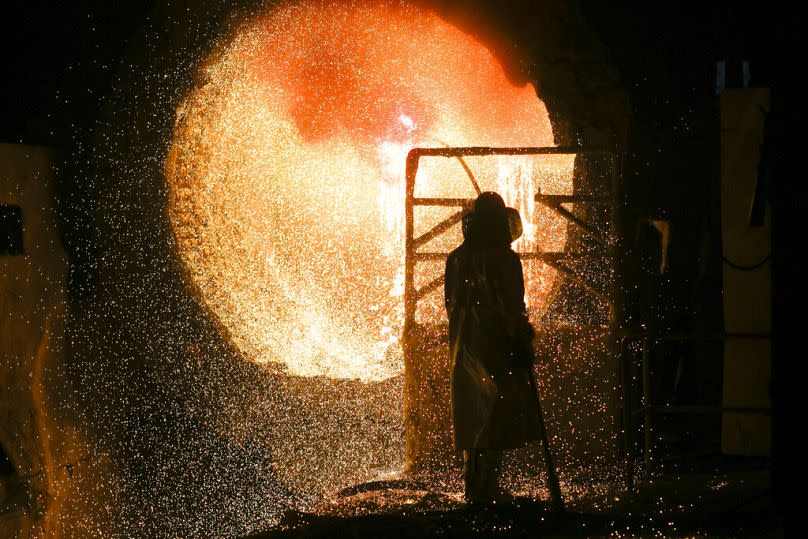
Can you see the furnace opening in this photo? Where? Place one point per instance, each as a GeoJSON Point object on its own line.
{"type": "Point", "coordinates": [286, 175]}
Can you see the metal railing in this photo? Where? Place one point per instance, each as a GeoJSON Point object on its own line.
{"type": "Point", "coordinates": [609, 243]}
{"type": "Point", "coordinates": [648, 410]}
{"type": "Point", "coordinates": [552, 201]}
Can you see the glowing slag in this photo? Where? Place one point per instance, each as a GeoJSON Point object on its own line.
{"type": "Point", "coordinates": [286, 176]}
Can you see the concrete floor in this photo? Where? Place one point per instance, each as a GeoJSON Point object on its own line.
{"type": "Point", "coordinates": [737, 503]}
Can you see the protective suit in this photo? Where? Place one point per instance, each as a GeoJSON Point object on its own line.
{"type": "Point", "coordinates": [494, 404]}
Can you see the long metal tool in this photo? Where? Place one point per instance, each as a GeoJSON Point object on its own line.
{"type": "Point", "coordinates": [553, 484]}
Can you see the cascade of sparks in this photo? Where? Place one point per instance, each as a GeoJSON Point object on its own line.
{"type": "Point", "coordinates": [286, 175]}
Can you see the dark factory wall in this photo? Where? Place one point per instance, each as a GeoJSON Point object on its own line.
{"type": "Point", "coordinates": [50, 468]}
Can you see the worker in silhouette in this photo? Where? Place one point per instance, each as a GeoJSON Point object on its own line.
{"type": "Point", "coordinates": [493, 398]}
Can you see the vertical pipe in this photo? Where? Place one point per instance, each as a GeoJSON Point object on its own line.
{"type": "Point", "coordinates": [646, 402]}
{"type": "Point", "coordinates": [625, 376]}
{"type": "Point", "coordinates": [409, 262]}
{"type": "Point", "coordinates": [410, 385]}
{"type": "Point", "coordinates": [617, 315]}
{"type": "Point", "coordinates": [615, 249]}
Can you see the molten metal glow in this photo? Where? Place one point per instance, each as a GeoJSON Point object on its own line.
{"type": "Point", "coordinates": [286, 176]}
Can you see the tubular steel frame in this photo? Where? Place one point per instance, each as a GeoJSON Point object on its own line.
{"type": "Point", "coordinates": [553, 202]}
{"type": "Point", "coordinates": [612, 242]}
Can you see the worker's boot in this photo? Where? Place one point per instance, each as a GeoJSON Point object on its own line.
{"type": "Point", "coordinates": [495, 494]}
{"type": "Point", "coordinates": [480, 475]}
